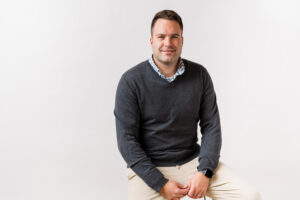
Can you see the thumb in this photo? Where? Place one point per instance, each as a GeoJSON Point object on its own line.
{"type": "Point", "coordinates": [181, 186]}
{"type": "Point", "coordinates": [189, 186]}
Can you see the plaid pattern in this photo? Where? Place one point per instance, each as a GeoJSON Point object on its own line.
{"type": "Point", "coordinates": [179, 71]}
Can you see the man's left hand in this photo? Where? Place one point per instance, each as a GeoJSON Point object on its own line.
{"type": "Point", "coordinates": [198, 185]}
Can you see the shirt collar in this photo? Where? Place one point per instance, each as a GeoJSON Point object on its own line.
{"type": "Point", "coordinates": [180, 69]}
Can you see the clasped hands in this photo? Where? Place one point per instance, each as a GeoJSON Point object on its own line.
{"type": "Point", "coordinates": [196, 188]}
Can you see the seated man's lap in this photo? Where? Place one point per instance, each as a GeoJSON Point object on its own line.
{"type": "Point", "coordinates": [225, 184]}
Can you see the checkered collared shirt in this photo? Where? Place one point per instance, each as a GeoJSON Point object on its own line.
{"type": "Point", "coordinates": [180, 70]}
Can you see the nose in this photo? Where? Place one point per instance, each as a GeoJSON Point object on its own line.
{"type": "Point", "coordinates": [167, 41]}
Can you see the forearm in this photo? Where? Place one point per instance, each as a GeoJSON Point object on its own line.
{"type": "Point", "coordinates": [210, 127]}
{"type": "Point", "coordinates": [150, 174]}
{"type": "Point", "coordinates": [211, 143]}
{"type": "Point", "coordinates": [137, 159]}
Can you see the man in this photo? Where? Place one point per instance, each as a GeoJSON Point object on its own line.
{"type": "Point", "coordinates": [158, 105]}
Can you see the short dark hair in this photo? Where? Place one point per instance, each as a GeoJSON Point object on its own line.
{"type": "Point", "coordinates": [167, 14]}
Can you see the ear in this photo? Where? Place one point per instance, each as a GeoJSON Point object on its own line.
{"type": "Point", "coordinates": [182, 40]}
{"type": "Point", "coordinates": [151, 40]}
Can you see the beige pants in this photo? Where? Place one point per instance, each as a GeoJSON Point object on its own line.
{"type": "Point", "coordinates": [225, 184]}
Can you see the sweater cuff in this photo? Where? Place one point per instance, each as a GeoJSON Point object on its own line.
{"type": "Point", "coordinates": [205, 164]}
{"type": "Point", "coordinates": [157, 187]}
{"type": "Point", "coordinates": [155, 180]}
{"type": "Point", "coordinates": [153, 177]}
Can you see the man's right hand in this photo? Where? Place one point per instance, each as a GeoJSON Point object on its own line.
{"type": "Point", "coordinates": [173, 190]}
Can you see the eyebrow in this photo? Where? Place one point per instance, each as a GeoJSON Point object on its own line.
{"type": "Point", "coordinates": [161, 34]}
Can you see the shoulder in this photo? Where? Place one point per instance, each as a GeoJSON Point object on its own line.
{"type": "Point", "coordinates": [134, 76]}
{"type": "Point", "coordinates": [195, 67]}
{"type": "Point", "coordinates": [136, 72]}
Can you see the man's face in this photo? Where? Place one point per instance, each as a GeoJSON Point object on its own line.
{"type": "Point", "coordinates": [166, 42]}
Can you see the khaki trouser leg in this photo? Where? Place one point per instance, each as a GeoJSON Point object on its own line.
{"type": "Point", "coordinates": [225, 184]}
{"type": "Point", "coordinates": [139, 190]}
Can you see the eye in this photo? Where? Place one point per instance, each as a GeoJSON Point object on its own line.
{"type": "Point", "coordinates": [161, 36]}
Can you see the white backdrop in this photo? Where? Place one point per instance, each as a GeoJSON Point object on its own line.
{"type": "Point", "coordinates": [60, 62]}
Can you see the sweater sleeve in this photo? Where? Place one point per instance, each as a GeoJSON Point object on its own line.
{"type": "Point", "coordinates": [211, 140]}
{"type": "Point", "coordinates": [127, 116]}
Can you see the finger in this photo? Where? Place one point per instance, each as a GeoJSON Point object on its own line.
{"type": "Point", "coordinates": [199, 197]}
{"type": "Point", "coordinates": [182, 191]}
{"type": "Point", "coordinates": [189, 186]}
{"type": "Point", "coordinates": [182, 186]}
{"type": "Point", "coordinates": [203, 193]}
{"type": "Point", "coordinates": [200, 194]}
{"type": "Point", "coordinates": [195, 196]}
{"type": "Point", "coordinates": [196, 193]}
{"type": "Point", "coordinates": [191, 192]}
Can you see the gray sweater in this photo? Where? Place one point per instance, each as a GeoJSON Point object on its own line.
{"type": "Point", "coordinates": [156, 121]}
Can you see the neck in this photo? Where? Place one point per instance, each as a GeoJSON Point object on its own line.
{"type": "Point", "coordinates": [167, 70]}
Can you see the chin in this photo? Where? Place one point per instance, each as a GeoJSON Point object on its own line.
{"type": "Point", "coordinates": [166, 60]}
{"type": "Point", "coordinates": [167, 63]}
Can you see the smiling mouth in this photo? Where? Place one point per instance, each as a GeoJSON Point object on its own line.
{"type": "Point", "coordinates": [169, 51]}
